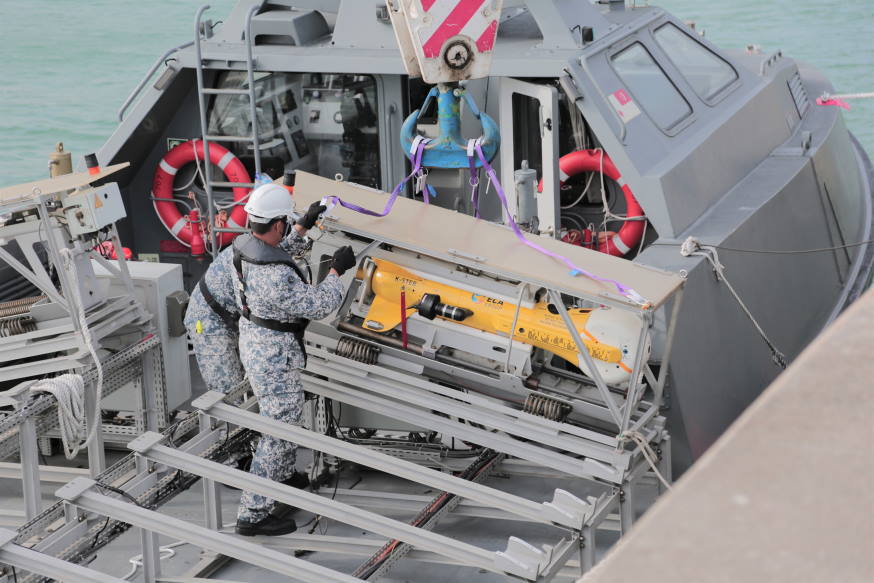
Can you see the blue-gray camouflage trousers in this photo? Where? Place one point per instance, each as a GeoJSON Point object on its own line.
{"type": "Point", "coordinates": [217, 359]}
{"type": "Point", "coordinates": [280, 395]}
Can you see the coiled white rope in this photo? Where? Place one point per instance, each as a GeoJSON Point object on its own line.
{"type": "Point", "coordinates": [648, 453]}
{"type": "Point", "coordinates": [69, 389]}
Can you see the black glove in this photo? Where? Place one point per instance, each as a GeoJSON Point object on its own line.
{"type": "Point", "coordinates": [312, 215]}
{"type": "Point", "coordinates": [344, 259]}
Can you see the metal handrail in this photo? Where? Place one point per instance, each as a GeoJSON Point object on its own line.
{"type": "Point", "coordinates": [135, 93]}
{"type": "Point", "coordinates": [250, 74]}
{"type": "Point", "coordinates": [204, 127]}
{"type": "Point", "coordinates": [207, 186]}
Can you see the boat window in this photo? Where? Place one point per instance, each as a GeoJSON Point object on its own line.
{"type": "Point", "coordinates": [319, 122]}
{"type": "Point", "coordinates": [650, 86]}
{"type": "Point", "coordinates": [707, 73]}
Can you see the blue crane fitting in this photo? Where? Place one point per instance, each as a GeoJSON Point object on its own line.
{"type": "Point", "coordinates": [449, 148]}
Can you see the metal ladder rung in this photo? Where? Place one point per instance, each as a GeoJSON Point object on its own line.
{"type": "Point", "coordinates": [233, 184]}
{"type": "Point", "coordinates": [218, 91]}
{"type": "Point", "coordinates": [203, 91]}
{"type": "Point", "coordinates": [247, 139]}
{"type": "Point", "coordinates": [230, 230]}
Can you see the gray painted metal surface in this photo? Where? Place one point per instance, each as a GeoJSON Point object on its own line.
{"type": "Point", "coordinates": [77, 492]}
{"type": "Point", "coordinates": [758, 167]}
{"type": "Point", "coordinates": [29, 560]}
{"type": "Point", "coordinates": [543, 512]}
{"type": "Point", "coordinates": [755, 167]}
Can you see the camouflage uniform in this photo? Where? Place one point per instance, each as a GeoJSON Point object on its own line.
{"type": "Point", "coordinates": [273, 360]}
{"type": "Point", "coordinates": [215, 344]}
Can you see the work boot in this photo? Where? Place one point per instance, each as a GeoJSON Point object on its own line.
{"type": "Point", "coordinates": [297, 480]}
{"type": "Point", "coordinates": [273, 525]}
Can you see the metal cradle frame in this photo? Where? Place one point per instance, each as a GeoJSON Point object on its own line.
{"type": "Point", "coordinates": [35, 417]}
{"type": "Point", "coordinates": [576, 521]}
{"type": "Point", "coordinates": [58, 344]}
{"type": "Point", "coordinates": [525, 444]}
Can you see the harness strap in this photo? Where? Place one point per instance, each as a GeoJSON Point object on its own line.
{"type": "Point", "coordinates": [296, 326]}
{"type": "Point", "coordinates": [574, 269]}
{"type": "Point", "coordinates": [417, 150]}
{"type": "Point", "coordinates": [230, 319]}
{"type": "Point", "coordinates": [474, 175]}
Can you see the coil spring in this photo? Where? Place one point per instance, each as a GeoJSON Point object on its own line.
{"type": "Point", "coordinates": [357, 350]}
{"type": "Point", "coordinates": [548, 407]}
{"type": "Point", "coordinates": [18, 307]}
{"type": "Point", "coordinates": [15, 326]}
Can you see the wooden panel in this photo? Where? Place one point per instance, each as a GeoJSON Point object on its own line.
{"type": "Point", "coordinates": [465, 240]}
{"type": "Point", "coordinates": [57, 184]}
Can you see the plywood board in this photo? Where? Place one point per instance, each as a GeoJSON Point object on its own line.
{"type": "Point", "coordinates": [477, 243]}
{"type": "Point", "coordinates": [57, 184]}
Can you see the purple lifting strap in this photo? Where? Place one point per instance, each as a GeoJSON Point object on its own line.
{"type": "Point", "coordinates": [419, 146]}
{"type": "Point", "coordinates": [575, 270]}
{"type": "Point", "coordinates": [416, 158]}
{"type": "Point", "coordinates": [474, 175]}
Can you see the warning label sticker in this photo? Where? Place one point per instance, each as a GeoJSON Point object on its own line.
{"type": "Point", "coordinates": [624, 105]}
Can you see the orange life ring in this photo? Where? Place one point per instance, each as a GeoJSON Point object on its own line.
{"type": "Point", "coordinates": [162, 188]}
{"type": "Point", "coordinates": [631, 232]}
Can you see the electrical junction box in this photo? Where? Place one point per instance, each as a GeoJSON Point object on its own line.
{"type": "Point", "coordinates": [91, 209]}
{"type": "Point", "coordinates": [157, 287]}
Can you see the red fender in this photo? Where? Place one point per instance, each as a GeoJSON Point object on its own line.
{"type": "Point", "coordinates": [595, 161]}
{"type": "Point", "coordinates": [162, 187]}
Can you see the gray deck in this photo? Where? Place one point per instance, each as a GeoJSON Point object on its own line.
{"type": "Point", "coordinates": [418, 566]}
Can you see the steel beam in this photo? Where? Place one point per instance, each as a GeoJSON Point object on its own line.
{"type": "Point", "coordinates": [564, 510]}
{"type": "Point", "coordinates": [635, 385]}
{"type": "Point", "coordinates": [581, 468]}
{"type": "Point", "coordinates": [78, 492]}
{"type": "Point", "coordinates": [35, 562]}
{"type": "Point", "coordinates": [212, 499]}
{"type": "Point", "coordinates": [402, 550]}
{"type": "Point", "coordinates": [30, 483]}
{"type": "Point", "coordinates": [360, 547]}
{"type": "Point", "coordinates": [430, 395]}
{"type": "Point", "coordinates": [410, 504]}
{"type": "Point", "coordinates": [51, 474]}
{"type": "Point", "coordinates": [498, 562]}
{"type": "Point", "coordinates": [585, 359]}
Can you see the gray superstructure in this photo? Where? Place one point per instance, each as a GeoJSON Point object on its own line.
{"type": "Point", "coordinates": [475, 410]}
{"type": "Point", "coordinates": [755, 165]}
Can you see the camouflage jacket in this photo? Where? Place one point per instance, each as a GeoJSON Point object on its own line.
{"type": "Point", "coordinates": [276, 292]}
{"type": "Point", "coordinates": [220, 280]}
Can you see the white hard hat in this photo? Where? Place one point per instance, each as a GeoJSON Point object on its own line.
{"type": "Point", "coordinates": [268, 202]}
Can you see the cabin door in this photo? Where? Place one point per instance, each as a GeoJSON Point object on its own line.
{"type": "Point", "coordinates": [529, 132]}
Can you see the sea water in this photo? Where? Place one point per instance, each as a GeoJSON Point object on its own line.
{"type": "Point", "coordinates": [68, 65]}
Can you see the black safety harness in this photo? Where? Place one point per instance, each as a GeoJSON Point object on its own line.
{"type": "Point", "coordinates": [231, 319]}
{"type": "Point", "coordinates": [252, 250]}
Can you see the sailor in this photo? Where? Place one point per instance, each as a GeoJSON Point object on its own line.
{"type": "Point", "coordinates": [212, 315]}
{"type": "Point", "coordinates": [276, 302]}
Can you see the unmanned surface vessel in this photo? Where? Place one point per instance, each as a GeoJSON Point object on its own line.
{"type": "Point", "coordinates": [514, 388]}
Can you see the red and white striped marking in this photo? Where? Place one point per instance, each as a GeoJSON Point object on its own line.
{"type": "Point", "coordinates": [459, 17]}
